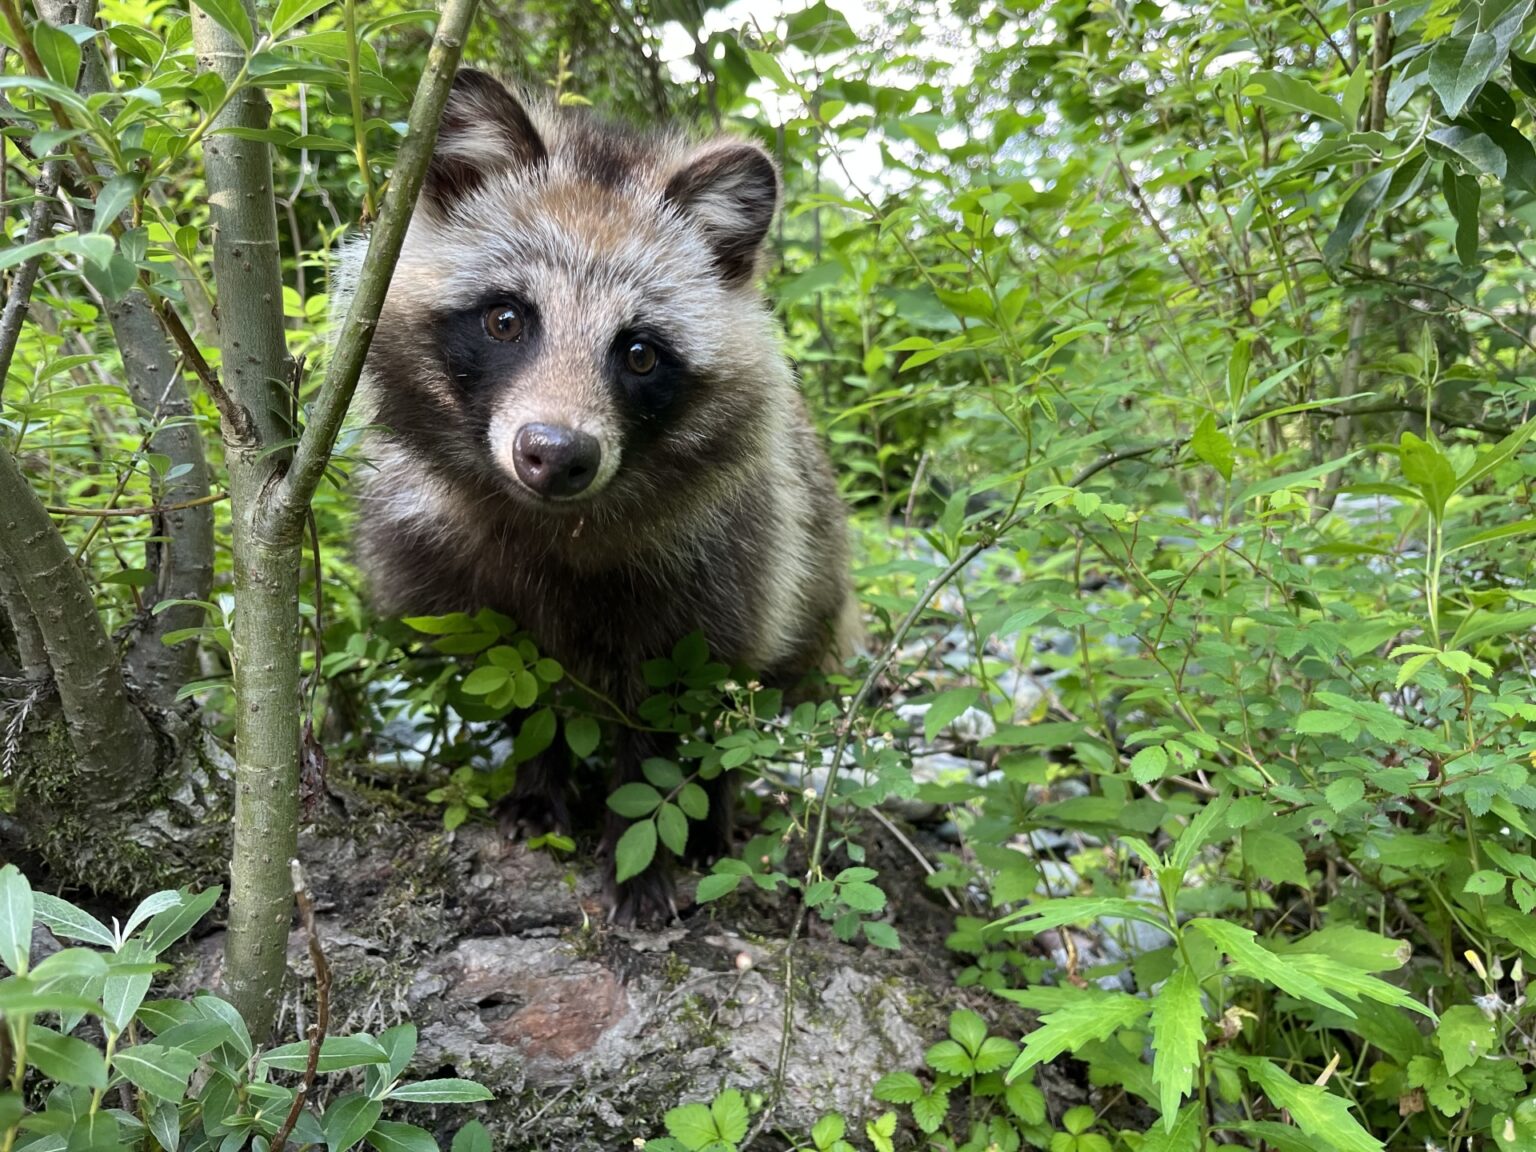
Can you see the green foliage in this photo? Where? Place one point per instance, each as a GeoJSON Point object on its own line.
{"type": "Point", "coordinates": [1185, 355]}
{"type": "Point", "coordinates": [200, 1083]}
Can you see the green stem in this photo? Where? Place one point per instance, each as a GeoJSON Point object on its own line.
{"type": "Point", "coordinates": [359, 128]}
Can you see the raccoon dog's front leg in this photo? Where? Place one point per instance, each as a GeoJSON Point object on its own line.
{"type": "Point", "coordinates": [539, 802]}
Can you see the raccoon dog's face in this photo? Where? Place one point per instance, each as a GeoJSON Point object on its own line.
{"type": "Point", "coordinates": [573, 322]}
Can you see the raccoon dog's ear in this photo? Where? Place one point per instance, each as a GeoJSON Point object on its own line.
{"type": "Point", "coordinates": [484, 130]}
{"type": "Point", "coordinates": [730, 188]}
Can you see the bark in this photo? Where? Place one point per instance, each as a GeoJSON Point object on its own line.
{"type": "Point", "coordinates": [114, 745]}
{"type": "Point", "coordinates": [180, 550]}
{"type": "Point", "coordinates": [247, 271]}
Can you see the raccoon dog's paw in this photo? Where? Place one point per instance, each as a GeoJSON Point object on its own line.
{"type": "Point", "coordinates": [646, 901]}
{"type": "Point", "coordinates": [537, 806]}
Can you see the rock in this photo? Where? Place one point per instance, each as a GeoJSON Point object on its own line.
{"type": "Point", "coordinates": [588, 1035]}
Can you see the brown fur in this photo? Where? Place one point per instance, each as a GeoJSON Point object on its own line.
{"type": "Point", "coordinates": [715, 507]}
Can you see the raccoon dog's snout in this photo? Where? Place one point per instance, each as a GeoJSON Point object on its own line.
{"type": "Point", "coordinates": [555, 462]}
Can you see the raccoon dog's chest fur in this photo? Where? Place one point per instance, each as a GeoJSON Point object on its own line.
{"type": "Point", "coordinates": [584, 416]}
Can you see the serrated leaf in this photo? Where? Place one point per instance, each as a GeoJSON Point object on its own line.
{"type": "Point", "coordinates": [729, 1110]}
{"type": "Point", "coordinates": [1316, 1111]}
{"type": "Point", "coordinates": [1149, 764]}
{"type": "Point", "coordinates": [1178, 1033]}
{"type": "Point", "coordinates": [1253, 959]}
{"type": "Point", "coordinates": [691, 1124]}
{"type": "Point", "coordinates": [946, 708]}
{"type": "Point", "coordinates": [950, 1057]}
{"type": "Point", "coordinates": [930, 1110]}
{"type": "Point", "coordinates": [1465, 1036]}
{"type": "Point", "coordinates": [1086, 1018]}
{"type": "Point", "coordinates": [898, 1088]}
{"type": "Point", "coordinates": [1213, 446]}
{"type": "Point", "coordinates": [968, 1030]}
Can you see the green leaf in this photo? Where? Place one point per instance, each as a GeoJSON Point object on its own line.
{"type": "Point", "coordinates": [66, 921]}
{"type": "Point", "coordinates": [113, 200]}
{"type": "Point", "coordinates": [636, 849]}
{"type": "Point", "coordinates": [1356, 211]}
{"type": "Point", "coordinates": [945, 709]}
{"type": "Point", "coordinates": [1318, 723]}
{"type": "Point", "coordinates": [388, 1136]}
{"type": "Point", "coordinates": [692, 1125]}
{"type": "Point", "coordinates": [1484, 883]}
{"type": "Point", "coordinates": [715, 886]}
{"type": "Point", "coordinates": [1465, 1036]}
{"type": "Point", "coordinates": [968, 1030]}
{"type": "Point", "coordinates": [231, 16]}
{"type": "Point", "coordinates": [672, 827]}
{"type": "Point", "coordinates": [337, 1053]}
{"type": "Point", "coordinates": [1458, 67]}
{"type": "Point", "coordinates": [162, 1072]}
{"type": "Point", "coordinates": [1253, 959]}
{"type": "Point", "coordinates": [348, 1120]}
{"type": "Point", "coordinates": [1178, 1033]}
{"type": "Point", "coordinates": [634, 800]}
{"type": "Point", "coordinates": [582, 733]}
{"type": "Point", "coordinates": [948, 1056]}
{"type": "Point", "coordinates": [1473, 153]}
{"type": "Point", "coordinates": [485, 680]}
{"type": "Point", "coordinates": [171, 925]}
{"type": "Point", "coordinates": [1517, 929]}
{"type": "Point", "coordinates": [290, 13]}
{"type": "Point", "coordinates": [828, 1131]}
{"type": "Point", "coordinates": [881, 935]}
{"type": "Point", "coordinates": [1428, 470]}
{"type": "Point", "coordinates": [124, 991]}
{"type": "Point", "coordinates": [59, 52]}
{"type": "Point", "coordinates": [1462, 197]}
{"type": "Point", "coordinates": [1315, 1110]}
{"type": "Point", "coordinates": [441, 1092]}
{"type": "Point", "coordinates": [930, 1110]}
{"type": "Point", "coordinates": [730, 1114]}
{"type": "Point", "coordinates": [1088, 1017]}
{"type": "Point", "coordinates": [1149, 764]}
{"type": "Point", "coordinates": [400, 1043]}
{"type": "Point", "coordinates": [16, 914]}
{"type": "Point", "coordinates": [1278, 90]}
{"type": "Point", "coordinates": [898, 1088]}
{"type": "Point", "coordinates": [473, 1137]}
{"type": "Point", "coordinates": [1050, 914]}
{"type": "Point", "coordinates": [1213, 446]}
{"type": "Point", "coordinates": [1183, 1135]}
{"type": "Point", "coordinates": [65, 1058]}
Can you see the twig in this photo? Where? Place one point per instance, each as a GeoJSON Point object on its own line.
{"type": "Point", "coordinates": [288, 502]}
{"type": "Point", "coordinates": [322, 1005]}
{"type": "Point", "coordinates": [828, 792]}
{"type": "Point", "coordinates": [154, 510]}
{"type": "Point", "coordinates": [239, 428]}
{"type": "Point", "coordinates": [20, 295]}
{"type": "Point", "coordinates": [916, 852]}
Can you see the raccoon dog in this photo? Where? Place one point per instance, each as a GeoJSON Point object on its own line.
{"type": "Point", "coordinates": [586, 422]}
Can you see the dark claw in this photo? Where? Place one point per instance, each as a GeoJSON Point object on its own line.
{"type": "Point", "coordinates": [527, 817]}
{"type": "Point", "coordinates": [647, 901]}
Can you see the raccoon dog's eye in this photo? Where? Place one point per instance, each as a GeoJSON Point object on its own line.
{"type": "Point", "coordinates": [504, 322]}
{"type": "Point", "coordinates": [641, 358]}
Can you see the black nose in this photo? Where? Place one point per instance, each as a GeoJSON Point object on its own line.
{"type": "Point", "coordinates": [555, 461]}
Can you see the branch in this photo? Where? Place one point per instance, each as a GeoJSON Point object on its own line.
{"type": "Point", "coordinates": [153, 510]}
{"type": "Point", "coordinates": [287, 505]}
{"type": "Point", "coordinates": [20, 296]}
{"type": "Point", "coordinates": [239, 428]}
{"type": "Point", "coordinates": [322, 1022]}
